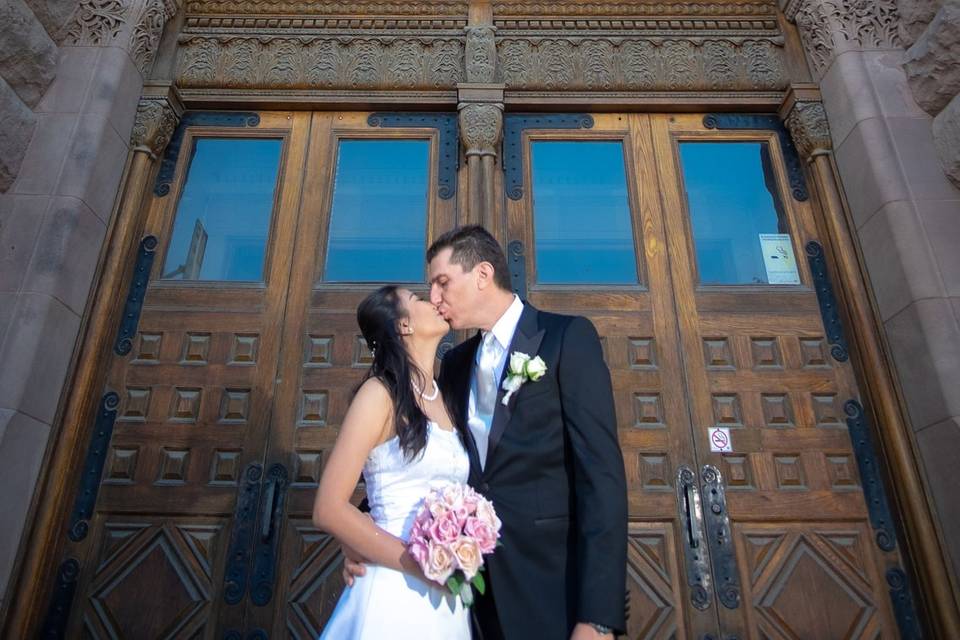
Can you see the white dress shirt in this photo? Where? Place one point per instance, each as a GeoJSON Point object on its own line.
{"type": "Point", "coordinates": [503, 331]}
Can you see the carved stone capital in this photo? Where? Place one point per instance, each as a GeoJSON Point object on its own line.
{"type": "Point", "coordinates": [154, 125]}
{"type": "Point", "coordinates": [831, 27]}
{"type": "Point", "coordinates": [480, 128]}
{"type": "Point", "coordinates": [807, 123]}
{"type": "Point", "coordinates": [134, 25]}
{"type": "Point", "coordinates": [481, 58]}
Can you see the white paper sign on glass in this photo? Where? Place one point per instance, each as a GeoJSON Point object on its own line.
{"type": "Point", "coordinates": [778, 258]}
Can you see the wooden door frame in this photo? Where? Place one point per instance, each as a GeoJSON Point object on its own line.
{"type": "Point", "coordinates": [34, 574]}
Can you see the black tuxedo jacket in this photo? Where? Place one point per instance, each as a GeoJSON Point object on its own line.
{"type": "Point", "coordinates": [555, 474]}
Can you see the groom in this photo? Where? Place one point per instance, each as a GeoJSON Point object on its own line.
{"type": "Point", "coordinates": [547, 455]}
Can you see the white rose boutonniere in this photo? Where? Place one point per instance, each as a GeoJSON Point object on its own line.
{"type": "Point", "coordinates": [522, 368]}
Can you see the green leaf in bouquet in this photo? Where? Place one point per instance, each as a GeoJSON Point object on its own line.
{"type": "Point", "coordinates": [479, 583]}
{"type": "Point", "coordinates": [454, 583]}
{"type": "Point", "coordinates": [466, 595]}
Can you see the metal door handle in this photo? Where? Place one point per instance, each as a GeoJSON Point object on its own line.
{"type": "Point", "coordinates": [270, 505]}
{"type": "Point", "coordinates": [693, 521]}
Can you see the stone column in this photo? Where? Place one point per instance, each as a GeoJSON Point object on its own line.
{"type": "Point", "coordinates": [59, 209]}
{"type": "Point", "coordinates": [905, 215]}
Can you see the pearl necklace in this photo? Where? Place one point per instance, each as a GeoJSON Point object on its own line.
{"type": "Point", "coordinates": [432, 396]}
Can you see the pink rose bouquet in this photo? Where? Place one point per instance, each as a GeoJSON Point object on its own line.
{"type": "Point", "coordinates": [454, 528]}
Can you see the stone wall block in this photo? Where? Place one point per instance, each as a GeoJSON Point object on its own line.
{"type": "Point", "coordinates": [941, 219]}
{"type": "Point", "coordinates": [915, 15]}
{"type": "Point", "coordinates": [28, 56]}
{"type": "Point", "coordinates": [898, 258]}
{"type": "Point", "coordinates": [8, 305]}
{"type": "Point", "coordinates": [939, 445]}
{"type": "Point", "coordinates": [933, 61]}
{"type": "Point", "coordinates": [54, 15]}
{"type": "Point", "coordinates": [17, 123]}
{"type": "Point", "coordinates": [45, 156]}
{"type": "Point", "coordinates": [946, 137]}
{"type": "Point", "coordinates": [20, 220]}
{"type": "Point", "coordinates": [925, 340]}
{"type": "Point", "coordinates": [22, 446]}
{"type": "Point", "coordinates": [94, 164]}
{"type": "Point", "coordinates": [36, 354]}
{"type": "Point", "coordinates": [65, 257]}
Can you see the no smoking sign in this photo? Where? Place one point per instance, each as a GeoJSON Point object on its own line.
{"type": "Point", "coordinates": [720, 440]}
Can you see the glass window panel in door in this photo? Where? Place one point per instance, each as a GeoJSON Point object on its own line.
{"type": "Point", "coordinates": [581, 210]}
{"type": "Point", "coordinates": [223, 217]}
{"type": "Point", "coordinates": [378, 220]}
{"type": "Point", "coordinates": [738, 222]}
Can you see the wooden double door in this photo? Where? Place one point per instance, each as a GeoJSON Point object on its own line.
{"type": "Point", "coordinates": [663, 231]}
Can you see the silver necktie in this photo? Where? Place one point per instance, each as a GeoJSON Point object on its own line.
{"type": "Point", "coordinates": [486, 374]}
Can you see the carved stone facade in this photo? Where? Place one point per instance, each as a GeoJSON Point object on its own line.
{"type": "Point", "coordinates": [480, 128]}
{"type": "Point", "coordinates": [807, 123]}
{"type": "Point", "coordinates": [154, 125]}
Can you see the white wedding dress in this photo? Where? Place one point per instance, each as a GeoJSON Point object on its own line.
{"type": "Point", "coordinates": [385, 603]}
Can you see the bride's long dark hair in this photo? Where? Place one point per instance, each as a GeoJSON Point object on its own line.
{"type": "Point", "coordinates": [379, 316]}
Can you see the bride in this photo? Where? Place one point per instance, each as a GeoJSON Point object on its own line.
{"type": "Point", "coordinates": [399, 433]}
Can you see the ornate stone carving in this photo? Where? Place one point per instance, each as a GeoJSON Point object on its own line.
{"type": "Point", "coordinates": [301, 63]}
{"type": "Point", "coordinates": [329, 7]}
{"type": "Point", "coordinates": [480, 128]}
{"type": "Point", "coordinates": [587, 8]}
{"type": "Point", "coordinates": [481, 59]}
{"type": "Point", "coordinates": [135, 25]}
{"type": "Point", "coordinates": [147, 31]}
{"type": "Point", "coordinates": [807, 123]}
{"type": "Point", "coordinates": [96, 22]}
{"type": "Point", "coordinates": [830, 27]}
{"type": "Point", "coordinates": [642, 64]}
{"type": "Point", "coordinates": [154, 124]}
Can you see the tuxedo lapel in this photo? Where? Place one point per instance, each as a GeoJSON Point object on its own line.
{"type": "Point", "coordinates": [464, 373]}
{"type": "Point", "coordinates": [526, 339]}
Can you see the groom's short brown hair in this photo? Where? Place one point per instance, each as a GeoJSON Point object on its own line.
{"type": "Point", "coordinates": [472, 245]}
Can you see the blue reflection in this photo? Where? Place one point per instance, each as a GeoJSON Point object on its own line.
{"type": "Point", "coordinates": [378, 221]}
{"type": "Point", "coordinates": [731, 196]}
{"type": "Point", "coordinates": [581, 213]}
{"type": "Point", "coordinates": [223, 217]}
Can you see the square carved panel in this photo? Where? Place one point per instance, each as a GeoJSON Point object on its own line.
{"type": "Point", "coordinates": [307, 468]}
{"type": "Point", "coordinates": [654, 471]}
{"type": "Point", "coordinates": [185, 405]}
{"type": "Point", "coordinates": [173, 466]}
{"type": "Point", "coordinates": [827, 411]}
{"type": "Point", "coordinates": [765, 353]}
{"type": "Point", "coordinates": [726, 410]}
{"type": "Point", "coordinates": [361, 354]}
{"type": "Point", "coordinates": [313, 408]}
{"type": "Point", "coordinates": [642, 353]}
{"type": "Point", "coordinates": [148, 348]}
{"type": "Point", "coordinates": [243, 351]}
{"type": "Point", "coordinates": [790, 473]}
{"type": "Point", "coordinates": [225, 467]}
{"type": "Point", "coordinates": [813, 353]}
{"type": "Point", "coordinates": [136, 405]}
{"type": "Point", "coordinates": [121, 465]}
{"type": "Point", "coordinates": [319, 351]}
{"type": "Point", "coordinates": [777, 411]}
{"type": "Point", "coordinates": [718, 354]}
{"type": "Point", "coordinates": [737, 471]}
{"type": "Point", "coordinates": [235, 406]}
{"type": "Point", "coordinates": [196, 348]}
{"type": "Point", "coordinates": [842, 471]}
{"type": "Point", "coordinates": [648, 409]}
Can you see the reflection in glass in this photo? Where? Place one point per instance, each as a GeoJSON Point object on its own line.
{"type": "Point", "coordinates": [582, 213]}
{"type": "Point", "coordinates": [378, 221]}
{"type": "Point", "coordinates": [223, 217]}
{"type": "Point", "coordinates": [733, 199]}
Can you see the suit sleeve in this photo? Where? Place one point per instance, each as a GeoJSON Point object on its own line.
{"type": "Point", "coordinates": [600, 485]}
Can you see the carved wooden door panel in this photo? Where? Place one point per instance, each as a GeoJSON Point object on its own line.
{"type": "Point", "coordinates": [801, 557]}
{"type": "Point", "coordinates": [158, 552]}
{"type": "Point", "coordinates": [584, 223]}
{"type": "Point", "coordinates": [378, 188]}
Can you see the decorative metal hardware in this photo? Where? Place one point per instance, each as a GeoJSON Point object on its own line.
{"type": "Point", "coordinates": [517, 264]}
{"type": "Point", "coordinates": [719, 538]}
{"type": "Point", "coordinates": [791, 159]}
{"type": "Point", "coordinates": [513, 126]}
{"type": "Point", "coordinates": [868, 463]}
{"type": "Point", "coordinates": [241, 539]}
{"type": "Point", "coordinates": [829, 311]}
{"type": "Point", "coordinates": [903, 608]}
{"type": "Point", "coordinates": [267, 543]}
{"type": "Point", "coordinates": [447, 127]}
{"type": "Point", "coordinates": [168, 165]}
{"type": "Point", "coordinates": [93, 467]}
{"type": "Point", "coordinates": [695, 546]}
{"type": "Point", "coordinates": [135, 296]}
{"type": "Point", "coordinates": [55, 624]}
